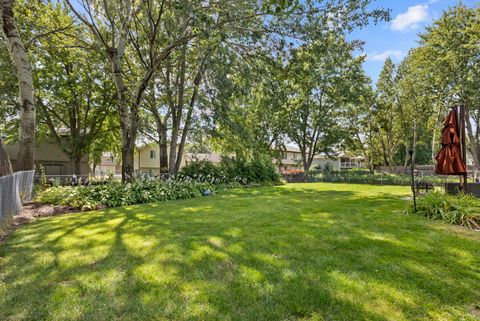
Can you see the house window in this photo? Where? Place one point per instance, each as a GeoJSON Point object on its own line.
{"type": "Point", "coordinates": [285, 155]}
{"type": "Point", "coordinates": [153, 154]}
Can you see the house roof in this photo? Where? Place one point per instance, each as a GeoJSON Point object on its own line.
{"type": "Point", "coordinates": [292, 149]}
{"type": "Point", "coordinates": [108, 161]}
{"type": "Point", "coordinates": [213, 158]}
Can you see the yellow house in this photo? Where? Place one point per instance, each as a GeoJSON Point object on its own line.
{"type": "Point", "coordinates": [53, 159]}
{"type": "Point", "coordinates": [147, 160]}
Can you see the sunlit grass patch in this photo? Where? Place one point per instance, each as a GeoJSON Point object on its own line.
{"type": "Point", "coordinates": [292, 252]}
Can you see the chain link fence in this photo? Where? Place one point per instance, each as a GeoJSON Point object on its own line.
{"type": "Point", "coordinates": [15, 190]}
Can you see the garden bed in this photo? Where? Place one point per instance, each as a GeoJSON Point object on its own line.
{"type": "Point", "coordinates": [30, 212]}
{"type": "Point", "coordinates": [452, 209]}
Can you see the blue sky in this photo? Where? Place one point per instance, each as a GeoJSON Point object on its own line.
{"type": "Point", "coordinates": [395, 38]}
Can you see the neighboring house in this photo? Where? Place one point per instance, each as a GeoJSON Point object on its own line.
{"type": "Point", "coordinates": [109, 165]}
{"type": "Point", "coordinates": [212, 158]}
{"type": "Point", "coordinates": [147, 160]}
{"type": "Point", "coordinates": [51, 157]}
{"type": "Point", "coordinates": [292, 160]}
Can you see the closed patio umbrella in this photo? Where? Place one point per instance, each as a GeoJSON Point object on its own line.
{"type": "Point", "coordinates": [449, 158]}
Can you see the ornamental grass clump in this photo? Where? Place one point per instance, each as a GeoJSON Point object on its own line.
{"type": "Point", "coordinates": [453, 209]}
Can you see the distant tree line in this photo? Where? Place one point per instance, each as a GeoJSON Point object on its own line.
{"type": "Point", "coordinates": [243, 77]}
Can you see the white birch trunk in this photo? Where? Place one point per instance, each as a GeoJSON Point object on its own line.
{"type": "Point", "coordinates": [5, 165]}
{"type": "Point", "coordinates": [16, 49]}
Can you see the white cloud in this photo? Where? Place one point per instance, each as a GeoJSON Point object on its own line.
{"type": "Point", "coordinates": [381, 56]}
{"type": "Point", "coordinates": [410, 19]}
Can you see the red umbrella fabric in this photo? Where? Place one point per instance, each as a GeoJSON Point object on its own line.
{"type": "Point", "coordinates": [449, 159]}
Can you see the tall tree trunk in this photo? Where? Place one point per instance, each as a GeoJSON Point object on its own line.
{"type": "Point", "coordinates": [16, 49]}
{"type": "Point", "coordinates": [177, 113]}
{"type": "Point", "coordinates": [127, 123]}
{"type": "Point", "coordinates": [163, 149]}
{"type": "Point", "coordinates": [434, 135]}
{"type": "Point", "coordinates": [188, 118]}
{"type": "Point", "coordinates": [411, 147]}
{"type": "Point", "coordinates": [405, 164]}
{"type": "Point", "coordinates": [130, 101]}
{"type": "Point", "coordinates": [414, 141]}
{"type": "Point", "coordinates": [161, 127]}
{"type": "Point", "coordinates": [364, 150]}
{"type": "Point", "coordinates": [161, 140]}
{"type": "Point", "coordinates": [183, 139]}
{"type": "Point", "coordinates": [128, 153]}
{"type": "Point", "coordinates": [305, 159]}
{"type": "Point", "coordinates": [386, 161]}
{"type": "Point", "coordinates": [5, 165]}
{"type": "Point", "coordinates": [473, 143]}
{"type": "Point", "coordinates": [172, 157]}
{"type": "Point", "coordinates": [75, 160]}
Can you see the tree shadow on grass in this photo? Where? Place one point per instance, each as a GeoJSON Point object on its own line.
{"type": "Point", "coordinates": [264, 254]}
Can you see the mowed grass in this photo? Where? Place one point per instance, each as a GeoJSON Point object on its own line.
{"type": "Point", "coordinates": [294, 252]}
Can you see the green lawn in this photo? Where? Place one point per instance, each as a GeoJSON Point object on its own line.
{"type": "Point", "coordinates": [294, 252]}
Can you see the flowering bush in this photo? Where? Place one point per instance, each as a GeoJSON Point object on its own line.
{"type": "Point", "coordinates": [115, 193]}
{"type": "Point", "coordinates": [233, 170]}
{"type": "Point", "coordinates": [195, 179]}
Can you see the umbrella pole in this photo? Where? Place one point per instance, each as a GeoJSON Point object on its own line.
{"type": "Point", "coordinates": [412, 167]}
{"type": "Point", "coordinates": [464, 147]}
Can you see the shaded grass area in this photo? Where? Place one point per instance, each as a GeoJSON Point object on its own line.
{"type": "Point", "coordinates": [294, 252]}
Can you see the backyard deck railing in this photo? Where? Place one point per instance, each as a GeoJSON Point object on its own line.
{"type": "Point", "coordinates": [15, 189]}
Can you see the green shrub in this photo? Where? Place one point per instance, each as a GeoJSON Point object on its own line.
{"type": "Point", "coordinates": [114, 194]}
{"type": "Point", "coordinates": [453, 209]}
{"type": "Point", "coordinates": [233, 170]}
{"type": "Point", "coordinates": [193, 181]}
{"type": "Point", "coordinates": [362, 176]}
{"type": "Point", "coordinates": [54, 195]}
{"type": "Point", "coordinates": [201, 169]}
{"type": "Point", "coordinates": [75, 196]}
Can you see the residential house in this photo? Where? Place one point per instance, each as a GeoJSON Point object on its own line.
{"type": "Point", "coordinates": [147, 159]}
{"type": "Point", "coordinates": [292, 160]}
{"type": "Point", "coordinates": [53, 159]}
{"type": "Point", "coordinates": [109, 165]}
{"type": "Point", "coordinates": [213, 158]}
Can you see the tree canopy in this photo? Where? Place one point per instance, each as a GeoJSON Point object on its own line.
{"type": "Point", "coordinates": [241, 77]}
